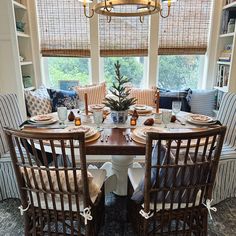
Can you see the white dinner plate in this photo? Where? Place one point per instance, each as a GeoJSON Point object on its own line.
{"type": "Point", "coordinates": [46, 122]}
{"type": "Point", "coordinates": [200, 119]}
{"type": "Point", "coordinates": [89, 131]}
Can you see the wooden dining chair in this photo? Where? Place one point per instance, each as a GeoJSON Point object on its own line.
{"type": "Point", "coordinates": [172, 194]}
{"type": "Point", "coordinates": [56, 200]}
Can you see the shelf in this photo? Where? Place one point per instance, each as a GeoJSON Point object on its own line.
{"type": "Point", "coordinates": [227, 35]}
{"type": "Point", "coordinates": [227, 63]}
{"type": "Point", "coordinates": [18, 5]}
{"type": "Point", "coordinates": [29, 89]}
{"type": "Point", "coordinates": [231, 5]}
{"type": "Point", "coordinates": [222, 89]}
{"type": "Point", "coordinates": [21, 34]}
{"type": "Point", "coordinates": [25, 63]}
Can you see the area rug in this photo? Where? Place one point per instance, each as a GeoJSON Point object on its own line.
{"type": "Point", "coordinates": [223, 224]}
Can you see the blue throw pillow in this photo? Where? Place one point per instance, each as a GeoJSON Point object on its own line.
{"type": "Point", "coordinates": [63, 98]}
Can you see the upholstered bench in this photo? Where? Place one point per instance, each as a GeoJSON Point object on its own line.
{"type": "Point", "coordinates": [9, 116]}
{"type": "Point", "coordinates": [225, 185]}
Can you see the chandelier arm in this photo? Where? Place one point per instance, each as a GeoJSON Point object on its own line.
{"type": "Point", "coordinates": [141, 19]}
{"type": "Point", "coordinates": [106, 7]}
{"type": "Point", "coordinates": [155, 7]}
{"type": "Point", "coordinates": [85, 12]}
{"type": "Point", "coordinates": [108, 19]}
{"type": "Point", "coordinates": [167, 13]}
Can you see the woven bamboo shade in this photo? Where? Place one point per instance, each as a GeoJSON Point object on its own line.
{"type": "Point", "coordinates": [185, 31]}
{"type": "Point", "coordinates": [64, 30]}
{"type": "Point", "coordinates": [123, 36]}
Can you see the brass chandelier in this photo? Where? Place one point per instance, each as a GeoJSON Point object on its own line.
{"type": "Point", "coordinates": [127, 8]}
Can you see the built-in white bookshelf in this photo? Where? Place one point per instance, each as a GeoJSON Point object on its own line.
{"type": "Point", "coordinates": [226, 51]}
{"type": "Point", "coordinates": [24, 44]}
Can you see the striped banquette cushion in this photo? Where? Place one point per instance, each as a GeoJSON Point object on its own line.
{"type": "Point", "coordinates": [96, 93]}
{"type": "Point", "coordinates": [227, 116]}
{"type": "Point", "coordinates": [225, 184]}
{"type": "Point", "coordinates": [143, 96]}
{"type": "Point", "coordinates": [9, 116]}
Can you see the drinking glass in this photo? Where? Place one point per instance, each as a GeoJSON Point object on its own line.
{"type": "Point", "coordinates": [80, 106]}
{"type": "Point", "coordinates": [176, 106]}
{"type": "Point", "coordinates": [98, 117]}
{"type": "Point", "coordinates": [62, 115]}
{"type": "Point", "coordinates": [166, 117]}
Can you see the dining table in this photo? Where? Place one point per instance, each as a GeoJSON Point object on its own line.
{"type": "Point", "coordinates": [118, 141]}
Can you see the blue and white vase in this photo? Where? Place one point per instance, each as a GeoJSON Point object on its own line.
{"type": "Point", "coordinates": [119, 117]}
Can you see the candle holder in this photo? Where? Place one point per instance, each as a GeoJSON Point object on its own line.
{"type": "Point", "coordinates": [77, 121]}
{"type": "Point", "coordinates": [133, 121]}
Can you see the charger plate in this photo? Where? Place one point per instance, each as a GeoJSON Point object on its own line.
{"type": "Point", "coordinates": [138, 137]}
{"type": "Point", "coordinates": [89, 131]}
{"type": "Point", "coordinates": [143, 109]}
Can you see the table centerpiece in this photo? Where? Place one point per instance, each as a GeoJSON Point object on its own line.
{"type": "Point", "coordinates": [119, 102]}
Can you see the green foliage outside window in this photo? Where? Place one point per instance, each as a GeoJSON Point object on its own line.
{"type": "Point", "coordinates": [131, 67]}
{"type": "Point", "coordinates": [178, 72]}
{"type": "Point", "coordinates": [175, 72]}
{"type": "Point", "coordinates": [68, 68]}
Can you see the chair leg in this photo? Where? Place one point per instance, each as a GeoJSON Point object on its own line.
{"type": "Point", "coordinates": [27, 224]}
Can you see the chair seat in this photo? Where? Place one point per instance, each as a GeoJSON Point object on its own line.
{"type": "Point", "coordinates": [98, 179]}
{"type": "Point", "coordinates": [135, 176]}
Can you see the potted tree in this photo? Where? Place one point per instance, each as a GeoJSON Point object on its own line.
{"type": "Point", "coordinates": [119, 102]}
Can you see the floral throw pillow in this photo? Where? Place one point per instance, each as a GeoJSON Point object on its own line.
{"type": "Point", "coordinates": [38, 102]}
{"type": "Point", "coordinates": [62, 98]}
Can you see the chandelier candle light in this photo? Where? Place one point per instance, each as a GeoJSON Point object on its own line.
{"type": "Point", "coordinates": [127, 8]}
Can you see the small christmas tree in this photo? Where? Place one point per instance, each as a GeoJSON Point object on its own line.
{"type": "Point", "coordinates": [121, 102]}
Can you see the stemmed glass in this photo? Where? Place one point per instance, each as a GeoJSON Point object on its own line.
{"type": "Point", "coordinates": [62, 115]}
{"type": "Point", "coordinates": [98, 117]}
{"type": "Point", "coordinates": [166, 117]}
{"type": "Point", "coordinates": [176, 106]}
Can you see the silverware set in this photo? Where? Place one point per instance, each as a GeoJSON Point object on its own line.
{"type": "Point", "coordinates": [127, 137]}
{"type": "Point", "coordinates": [104, 137]}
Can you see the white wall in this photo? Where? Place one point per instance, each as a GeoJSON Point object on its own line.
{"type": "Point", "coordinates": [10, 75]}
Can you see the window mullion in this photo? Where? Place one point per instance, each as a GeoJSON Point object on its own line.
{"type": "Point", "coordinates": [153, 50]}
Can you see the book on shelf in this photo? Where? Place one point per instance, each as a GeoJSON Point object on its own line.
{"type": "Point", "coordinates": [224, 22]}
{"type": "Point", "coordinates": [226, 18]}
{"type": "Point", "coordinates": [226, 53]}
{"type": "Point", "coordinates": [222, 76]}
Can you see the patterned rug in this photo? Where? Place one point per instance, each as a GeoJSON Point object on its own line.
{"type": "Point", "coordinates": [11, 223]}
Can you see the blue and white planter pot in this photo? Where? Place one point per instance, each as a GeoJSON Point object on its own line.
{"type": "Point", "coordinates": [119, 117]}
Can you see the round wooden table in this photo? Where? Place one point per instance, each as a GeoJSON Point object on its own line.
{"type": "Point", "coordinates": [121, 150]}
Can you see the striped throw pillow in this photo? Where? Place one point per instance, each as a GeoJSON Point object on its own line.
{"type": "Point", "coordinates": [202, 102]}
{"type": "Point", "coordinates": [96, 93]}
{"type": "Point", "coordinates": [143, 96]}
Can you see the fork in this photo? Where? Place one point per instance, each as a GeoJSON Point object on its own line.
{"type": "Point", "coordinates": [106, 138]}
{"type": "Point", "coordinates": [127, 137]}
{"type": "Point", "coordinates": [102, 137]}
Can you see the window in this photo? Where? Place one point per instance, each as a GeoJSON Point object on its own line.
{"type": "Point", "coordinates": [131, 67]}
{"type": "Point", "coordinates": [64, 72]}
{"type": "Point", "coordinates": [179, 72]}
